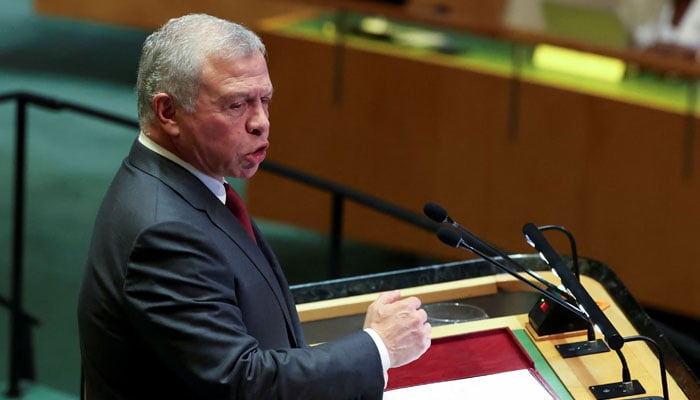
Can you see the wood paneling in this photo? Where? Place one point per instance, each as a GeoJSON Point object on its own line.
{"type": "Point", "coordinates": [410, 132]}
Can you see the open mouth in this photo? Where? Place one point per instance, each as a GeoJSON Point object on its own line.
{"type": "Point", "coordinates": [259, 154]}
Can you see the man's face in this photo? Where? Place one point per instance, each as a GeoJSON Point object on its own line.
{"type": "Point", "coordinates": [227, 134]}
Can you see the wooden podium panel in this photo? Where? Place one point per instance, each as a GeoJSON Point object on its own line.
{"type": "Point", "coordinates": [577, 373]}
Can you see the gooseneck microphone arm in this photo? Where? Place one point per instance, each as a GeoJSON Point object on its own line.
{"type": "Point", "coordinates": [612, 336]}
{"type": "Point", "coordinates": [572, 243]}
{"type": "Point", "coordinates": [438, 214]}
{"type": "Point", "coordinates": [454, 239]}
{"type": "Point", "coordinates": [574, 257]}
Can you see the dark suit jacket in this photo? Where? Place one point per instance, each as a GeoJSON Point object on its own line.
{"type": "Point", "coordinates": [178, 302]}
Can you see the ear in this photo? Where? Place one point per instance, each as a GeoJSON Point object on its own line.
{"type": "Point", "coordinates": [165, 108]}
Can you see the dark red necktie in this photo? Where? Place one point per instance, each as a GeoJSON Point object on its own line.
{"type": "Point", "coordinates": [237, 207]}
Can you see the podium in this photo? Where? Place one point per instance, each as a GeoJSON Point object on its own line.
{"type": "Point", "coordinates": [330, 309]}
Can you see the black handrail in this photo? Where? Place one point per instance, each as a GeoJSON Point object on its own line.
{"type": "Point", "coordinates": [21, 354]}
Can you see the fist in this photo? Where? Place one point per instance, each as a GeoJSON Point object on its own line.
{"type": "Point", "coordinates": [401, 324]}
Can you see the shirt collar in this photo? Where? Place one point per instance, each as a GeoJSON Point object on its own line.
{"type": "Point", "coordinates": [214, 185]}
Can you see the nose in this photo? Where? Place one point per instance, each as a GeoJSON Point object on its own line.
{"type": "Point", "coordinates": [258, 122]}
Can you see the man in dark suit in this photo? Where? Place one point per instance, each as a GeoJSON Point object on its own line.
{"type": "Point", "coordinates": [179, 299]}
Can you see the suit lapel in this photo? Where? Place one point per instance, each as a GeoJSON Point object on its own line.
{"type": "Point", "coordinates": [199, 196]}
{"type": "Point", "coordinates": [296, 336]}
{"type": "Point", "coordinates": [263, 260]}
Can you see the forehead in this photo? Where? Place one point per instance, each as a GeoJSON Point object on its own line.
{"type": "Point", "coordinates": [242, 73]}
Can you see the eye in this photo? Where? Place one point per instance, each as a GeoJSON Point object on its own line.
{"type": "Point", "coordinates": [237, 108]}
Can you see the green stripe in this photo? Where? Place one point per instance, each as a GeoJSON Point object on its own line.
{"type": "Point", "coordinates": [542, 365]}
{"type": "Point", "coordinates": [493, 56]}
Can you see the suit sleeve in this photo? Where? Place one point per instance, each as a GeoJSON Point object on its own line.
{"type": "Point", "coordinates": [181, 301]}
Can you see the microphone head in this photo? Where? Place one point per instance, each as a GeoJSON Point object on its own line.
{"type": "Point", "coordinates": [435, 212]}
{"type": "Point", "coordinates": [449, 237]}
{"type": "Point", "coordinates": [529, 230]}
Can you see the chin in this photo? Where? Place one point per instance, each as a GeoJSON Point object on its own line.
{"type": "Point", "coordinates": [247, 173]}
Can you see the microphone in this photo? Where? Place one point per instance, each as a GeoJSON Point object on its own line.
{"type": "Point", "coordinates": [454, 239]}
{"type": "Point", "coordinates": [546, 316]}
{"type": "Point", "coordinates": [572, 243]}
{"type": "Point", "coordinates": [612, 337]}
{"type": "Point", "coordinates": [618, 389]}
{"type": "Point", "coordinates": [438, 214]}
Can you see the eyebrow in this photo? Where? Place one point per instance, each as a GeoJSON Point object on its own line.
{"type": "Point", "coordinates": [244, 96]}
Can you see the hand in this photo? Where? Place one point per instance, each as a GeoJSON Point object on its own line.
{"type": "Point", "coordinates": [401, 324]}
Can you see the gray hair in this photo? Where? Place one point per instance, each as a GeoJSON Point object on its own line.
{"type": "Point", "coordinates": [173, 56]}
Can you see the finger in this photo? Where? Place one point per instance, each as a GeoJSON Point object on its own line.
{"type": "Point", "coordinates": [389, 297]}
{"type": "Point", "coordinates": [427, 329]}
{"type": "Point", "coordinates": [422, 315]}
{"type": "Point", "coordinates": [409, 303]}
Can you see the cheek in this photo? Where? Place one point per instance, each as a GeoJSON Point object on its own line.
{"type": "Point", "coordinates": [229, 130]}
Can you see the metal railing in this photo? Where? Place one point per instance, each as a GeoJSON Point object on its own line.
{"type": "Point", "coordinates": [21, 350]}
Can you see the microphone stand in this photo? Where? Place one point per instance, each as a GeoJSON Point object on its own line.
{"type": "Point", "coordinates": [575, 349]}
{"type": "Point", "coordinates": [438, 214]}
{"type": "Point", "coordinates": [454, 239]}
{"type": "Point", "coordinates": [628, 386]}
{"type": "Point", "coordinates": [544, 318]}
